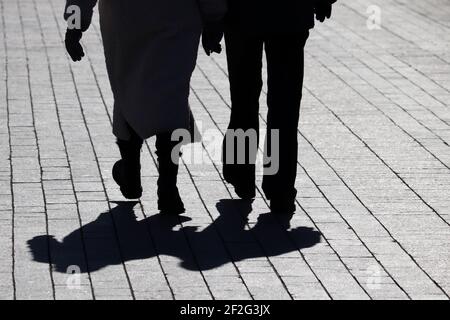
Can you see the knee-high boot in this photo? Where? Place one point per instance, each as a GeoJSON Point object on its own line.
{"type": "Point", "coordinates": [169, 200]}
{"type": "Point", "coordinates": [127, 171]}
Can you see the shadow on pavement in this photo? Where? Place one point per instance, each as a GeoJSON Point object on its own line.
{"type": "Point", "coordinates": [163, 234]}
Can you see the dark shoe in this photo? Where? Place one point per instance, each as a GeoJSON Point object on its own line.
{"type": "Point", "coordinates": [127, 171]}
{"type": "Point", "coordinates": [245, 191]}
{"type": "Point", "coordinates": [129, 186]}
{"type": "Point", "coordinates": [169, 201]}
{"type": "Point", "coordinates": [244, 187]}
{"type": "Point", "coordinates": [282, 206]}
{"type": "Point", "coordinates": [282, 199]}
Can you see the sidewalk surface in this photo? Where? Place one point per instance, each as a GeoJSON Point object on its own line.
{"type": "Point", "coordinates": [374, 181]}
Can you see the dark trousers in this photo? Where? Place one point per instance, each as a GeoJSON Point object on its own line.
{"type": "Point", "coordinates": [285, 67]}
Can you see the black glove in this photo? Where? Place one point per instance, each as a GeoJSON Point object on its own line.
{"type": "Point", "coordinates": [323, 9]}
{"type": "Point", "coordinates": [73, 45]}
{"type": "Point", "coordinates": [212, 36]}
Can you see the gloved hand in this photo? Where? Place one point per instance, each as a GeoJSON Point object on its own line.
{"type": "Point", "coordinates": [323, 8]}
{"type": "Point", "coordinates": [73, 45]}
{"type": "Point", "coordinates": [212, 36]}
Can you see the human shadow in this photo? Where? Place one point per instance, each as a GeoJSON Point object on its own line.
{"type": "Point", "coordinates": [228, 239]}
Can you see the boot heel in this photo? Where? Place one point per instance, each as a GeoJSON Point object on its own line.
{"type": "Point", "coordinates": [169, 202]}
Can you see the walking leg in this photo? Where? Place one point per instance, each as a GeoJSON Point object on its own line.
{"type": "Point", "coordinates": [169, 200]}
{"type": "Point", "coordinates": [127, 171]}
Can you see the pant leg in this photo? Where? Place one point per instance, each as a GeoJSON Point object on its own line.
{"type": "Point", "coordinates": [244, 55]}
{"type": "Point", "coordinates": [285, 67]}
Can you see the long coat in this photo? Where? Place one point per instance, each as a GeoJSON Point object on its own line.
{"type": "Point", "coordinates": [151, 50]}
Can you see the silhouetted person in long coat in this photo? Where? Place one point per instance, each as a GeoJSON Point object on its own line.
{"type": "Point", "coordinates": [281, 27]}
{"type": "Point", "coordinates": [151, 50]}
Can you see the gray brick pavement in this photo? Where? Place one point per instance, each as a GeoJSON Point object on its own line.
{"type": "Point", "coordinates": [373, 172]}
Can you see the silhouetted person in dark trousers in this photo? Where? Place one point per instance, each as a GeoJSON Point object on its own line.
{"type": "Point", "coordinates": [281, 27]}
{"type": "Point", "coordinates": [151, 51]}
